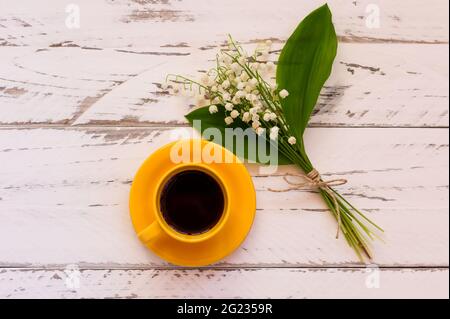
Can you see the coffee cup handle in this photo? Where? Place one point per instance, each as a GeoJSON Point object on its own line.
{"type": "Point", "coordinates": [150, 233]}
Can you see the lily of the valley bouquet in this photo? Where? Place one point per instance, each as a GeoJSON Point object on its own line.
{"type": "Point", "coordinates": [276, 101]}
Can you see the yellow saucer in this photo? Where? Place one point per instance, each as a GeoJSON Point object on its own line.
{"type": "Point", "coordinates": [241, 201]}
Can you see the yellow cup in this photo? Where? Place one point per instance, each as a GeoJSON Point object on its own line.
{"type": "Point", "coordinates": [160, 226]}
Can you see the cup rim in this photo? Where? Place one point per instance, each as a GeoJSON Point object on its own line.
{"type": "Point", "coordinates": [172, 232]}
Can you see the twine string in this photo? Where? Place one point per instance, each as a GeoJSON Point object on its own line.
{"type": "Point", "coordinates": [314, 180]}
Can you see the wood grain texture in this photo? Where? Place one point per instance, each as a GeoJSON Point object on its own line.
{"type": "Point", "coordinates": [80, 109]}
{"type": "Point", "coordinates": [68, 189]}
{"type": "Point", "coordinates": [138, 24]}
{"type": "Point", "coordinates": [228, 283]}
{"type": "Point", "coordinates": [371, 85]}
{"type": "Point", "coordinates": [108, 70]}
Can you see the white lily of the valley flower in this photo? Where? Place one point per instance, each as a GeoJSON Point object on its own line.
{"type": "Point", "coordinates": [273, 136]}
{"type": "Point", "coordinates": [257, 104]}
{"type": "Point", "coordinates": [274, 133]}
{"type": "Point", "coordinates": [228, 120]}
{"type": "Point", "coordinates": [266, 116]}
{"type": "Point", "coordinates": [244, 76]}
{"type": "Point", "coordinates": [226, 96]}
{"type": "Point", "coordinates": [229, 106]}
{"type": "Point", "coordinates": [253, 82]}
{"type": "Point", "coordinates": [292, 140]}
{"type": "Point", "coordinates": [284, 94]}
{"type": "Point", "coordinates": [255, 124]}
{"type": "Point", "coordinates": [241, 86]}
{"type": "Point", "coordinates": [239, 94]}
{"type": "Point", "coordinates": [234, 114]}
{"type": "Point", "coordinates": [229, 73]}
{"type": "Point", "coordinates": [235, 67]}
{"type": "Point", "coordinates": [260, 131]}
{"type": "Point", "coordinates": [226, 84]}
{"type": "Point", "coordinates": [262, 68]}
{"type": "Point", "coordinates": [273, 116]}
{"type": "Point", "coordinates": [246, 117]}
{"type": "Point", "coordinates": [213, 109]}
{"type": "Point", "coordinates": [227, 60]}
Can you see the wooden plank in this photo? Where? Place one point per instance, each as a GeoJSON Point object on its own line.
{"type": "Point", "coordinates": [105, 238]}
{"type": "Point", "coordinates": [67, 191]}
{"type": "Point", "coordinates": [137, 24]}
{"type": "Point", "coordinates": [371, 85]}
{"type": "Point", "coordinates": [65, 170]}
{"type": "Point", "coordinates": [226, 283]}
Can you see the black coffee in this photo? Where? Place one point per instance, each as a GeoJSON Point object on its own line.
{"type": "Point", "coordinates": [192, 202]}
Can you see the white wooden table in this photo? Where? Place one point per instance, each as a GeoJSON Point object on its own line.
{"type": "Point", "coordinates": [80, 110]}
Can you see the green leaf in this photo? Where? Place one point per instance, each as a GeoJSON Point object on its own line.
{"type": "Point", "coordinates": [304, 65]}
{"type": "Point", "coordinates": [250, 143]}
